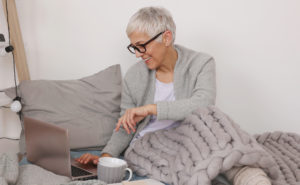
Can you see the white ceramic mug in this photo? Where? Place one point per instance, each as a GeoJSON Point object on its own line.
{"type": "Point", "coordinates": [112, 170]}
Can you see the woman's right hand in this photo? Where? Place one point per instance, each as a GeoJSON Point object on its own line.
{"type": "Point", "coordinates": [90, 158]}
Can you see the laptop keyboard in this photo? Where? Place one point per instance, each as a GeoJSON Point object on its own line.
{"type": "Point", "coordinates": [79, 172]}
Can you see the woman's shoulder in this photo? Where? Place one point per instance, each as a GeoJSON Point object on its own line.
{"type": "Point", "coordinates": [190, 54]}
{"type": "Point", "coordinates": [191, 58]}
{"type": "Point", "coordinates": [137, 71]}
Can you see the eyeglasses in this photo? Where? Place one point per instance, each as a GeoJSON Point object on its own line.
{"type": "Point", "coordinates": [141, 48]}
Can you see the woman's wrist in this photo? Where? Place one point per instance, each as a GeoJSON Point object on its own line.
{"type": "Point", "coordinates": [105, 155]}
{"type": "Point", "coordinates": [152, 109]}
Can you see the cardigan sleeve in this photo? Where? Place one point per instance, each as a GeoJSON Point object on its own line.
{"type": "Point", "coordinates": [203, 94]}
{"type": "Point", "coordinates": [120, 140]}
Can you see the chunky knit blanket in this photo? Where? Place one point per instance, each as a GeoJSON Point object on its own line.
{"type": "Point", "coordinates": [285, 150]}
{"type": "Point", "coordinates": [207, 143]}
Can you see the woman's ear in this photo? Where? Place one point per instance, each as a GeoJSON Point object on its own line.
{"type": "Point", "coordinates": [167, 38]}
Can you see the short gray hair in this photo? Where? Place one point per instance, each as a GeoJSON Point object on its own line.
{"type": "Point", "coordinates": [151, 20]}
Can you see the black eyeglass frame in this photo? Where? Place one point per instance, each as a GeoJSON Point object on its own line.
{"type": "Point", "coordinates": [135, 48]}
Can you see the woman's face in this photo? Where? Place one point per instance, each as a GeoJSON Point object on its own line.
{"type": "Point", "coordinates": [155, 51]}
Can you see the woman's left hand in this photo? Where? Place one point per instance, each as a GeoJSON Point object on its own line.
{"type": "Point", "coordinates": [132, 116]}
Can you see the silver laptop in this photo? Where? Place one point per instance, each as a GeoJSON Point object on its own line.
{"type": "Point", "coordinates": [47, 145]}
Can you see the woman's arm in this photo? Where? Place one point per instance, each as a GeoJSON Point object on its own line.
{"type": "Point", "coordinates": [120, 140]}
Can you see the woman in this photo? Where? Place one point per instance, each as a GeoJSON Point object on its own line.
{"type": "Point", "coordinates": [167, 84]}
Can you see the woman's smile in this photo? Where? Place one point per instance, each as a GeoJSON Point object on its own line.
{"type": "Point", "coordinates": [147, 60]}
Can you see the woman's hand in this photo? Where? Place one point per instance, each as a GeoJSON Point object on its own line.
{"type": "Point", "coordinates": [132, 116]}
{"type": "Point", "coordinates": [88, 158]}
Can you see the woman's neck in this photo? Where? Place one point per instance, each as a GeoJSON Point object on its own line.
{"type": "Point", "coordinates": [165, 72]}
{"type": "Point", "coordinates": [169, 62]}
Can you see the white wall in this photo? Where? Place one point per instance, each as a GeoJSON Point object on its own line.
{"type": "Point", "coordinates": [256, 45]}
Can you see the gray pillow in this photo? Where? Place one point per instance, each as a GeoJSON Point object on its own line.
{"type": "Point", "coordinates": [89, 107]}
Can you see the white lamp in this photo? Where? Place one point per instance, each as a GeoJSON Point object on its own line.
{"type": "Point", "coordinates": [14, 106]}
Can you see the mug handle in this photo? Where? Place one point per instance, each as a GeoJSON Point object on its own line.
{"type": "Point", "coordinates": [130, 174]}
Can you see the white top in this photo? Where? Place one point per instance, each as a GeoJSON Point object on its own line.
{"type": "Point", "coordinates": [163, 92]}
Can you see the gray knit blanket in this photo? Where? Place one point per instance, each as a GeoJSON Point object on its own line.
{"type": "Point", "coordinates": [208, 143]}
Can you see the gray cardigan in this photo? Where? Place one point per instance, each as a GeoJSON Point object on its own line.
{"type": "Point", "coordinates": [194, 86]}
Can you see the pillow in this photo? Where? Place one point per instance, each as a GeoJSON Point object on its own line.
{"type": "Point", "coordinates": [88, 107]}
